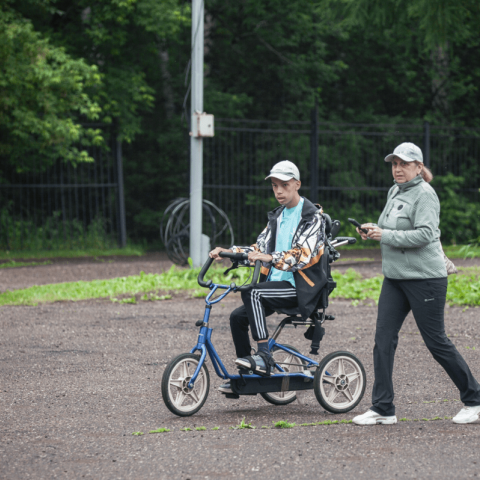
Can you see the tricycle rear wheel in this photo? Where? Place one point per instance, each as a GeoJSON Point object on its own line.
{"type": "Point", "coordinates": [178, 398]}
{"type": "Point", "coordinates": [339, 382]}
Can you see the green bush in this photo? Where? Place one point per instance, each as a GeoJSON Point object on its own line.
{"type": "Point", "coordinates": [54, 234]}
{"type": "Point", "coordinates": [459, 217]}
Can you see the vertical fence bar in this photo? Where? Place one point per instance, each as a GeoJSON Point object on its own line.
{"type": "Point", "coordinates": [314, 155]}
{"type": "Point", "coordinates": [122, 237]}
{"type": "Point", "coordinates": [426, 144]}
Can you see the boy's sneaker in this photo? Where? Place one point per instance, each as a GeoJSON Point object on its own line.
{"type": "Point", "coordinates": [373, 418]}
{"type": "Point", "coordinates": [262, 363]}
{"type": "Point", "coordinates": [225, 388]}
{"type": "Point", "coordinates": [467, 415]}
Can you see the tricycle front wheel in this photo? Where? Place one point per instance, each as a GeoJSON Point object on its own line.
{"type": "Point", "coordinates": [339, 382]}
{"type": "Point", "coordinates": [178, 398]}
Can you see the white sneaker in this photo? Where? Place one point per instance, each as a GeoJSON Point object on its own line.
{"type": "Point", "coordinates": [467, 415]}
{"type": "Point", "coordinates": [373, 418]}
{"type": "Point", "coordinates": [225, 388]}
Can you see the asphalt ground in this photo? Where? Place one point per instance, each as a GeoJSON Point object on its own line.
{"type": "Point", "coordinates": [77, 379]}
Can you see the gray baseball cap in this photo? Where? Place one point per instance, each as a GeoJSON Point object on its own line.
{"type": "Point", "coordinates": [408, 152]}
{"type": "Point", "coordinates": [284, 170]}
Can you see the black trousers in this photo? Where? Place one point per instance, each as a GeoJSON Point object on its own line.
{"type": "Point", "coordinates": [258, 303]}
{"type": "Point", "coordinates": [426, 299]}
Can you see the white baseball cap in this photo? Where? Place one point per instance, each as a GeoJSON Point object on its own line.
{"type": "Point", "coordinates": [408, 152]}
{"type": "Point", "coordinates": [284, 170]}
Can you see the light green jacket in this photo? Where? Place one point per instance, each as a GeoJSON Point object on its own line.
{"type": "Point", "coordinates": [411, 248]}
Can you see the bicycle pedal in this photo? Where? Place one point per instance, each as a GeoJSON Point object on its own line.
{"type": "Point", "coordinates": [232, 395]}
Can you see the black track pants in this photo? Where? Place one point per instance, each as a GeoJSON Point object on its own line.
{"type": "Point", "coordinates": [258, 303]}
{"type": "Point", "coordinates": [426, 299]}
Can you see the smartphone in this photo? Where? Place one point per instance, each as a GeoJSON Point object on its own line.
{"type": "Point", "coordinates": [356, 224]}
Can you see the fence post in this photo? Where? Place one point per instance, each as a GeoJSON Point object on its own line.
{"type": "Point", "coordinates": [314, 155]}
{"type": "Point", "coordinates": [122, 233]}
{"type": "Point", "coordinates": [426, 144]}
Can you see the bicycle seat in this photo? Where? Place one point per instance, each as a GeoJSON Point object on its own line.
{"type": "Point", "coordinates": [321, 304]}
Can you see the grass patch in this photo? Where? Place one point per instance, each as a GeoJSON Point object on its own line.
{"type": "Point", "coordinates": [173, 279]}
{"type": "Point", "coordinates": [200, 429]}
{"type": "Point", "coordinates": [284, 424]}
{"type": "Point", "coordinates": [160, 430]}
{"type": "Point", "coordinates": [462, 251]}
{"type": "Point", "coordinates": [463, 289]}
{"type": "Point", "coordinates": [243, 425]}
{"type": "Point", "coordinates": [79, 253]}
{"type": "Point", "coordinates": [353, 286]}
{"type": "Point", "coordinates": [365, 259]}
{"type": "Point", "coordinates": [14, 264]}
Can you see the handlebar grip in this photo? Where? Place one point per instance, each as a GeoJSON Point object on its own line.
{"type": "Point", "coordinates": [350, 240]}
{"type": "Point", "coordinates": [202, 273]}
{"type": "Point", "coordinates": [256, 272]}
{"type": "Point", "coordinates": [234, 256]}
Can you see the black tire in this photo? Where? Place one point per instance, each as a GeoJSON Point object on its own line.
{"type": "Point", "coordinates": [197, 398]}
{"type": "Point", "coordinates": [336, 387]}
{"type": "Point", "coordinates": [274, 397]}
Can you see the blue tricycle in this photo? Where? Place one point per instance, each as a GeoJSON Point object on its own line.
{"type": "Point", "coordinates": [338, 380]}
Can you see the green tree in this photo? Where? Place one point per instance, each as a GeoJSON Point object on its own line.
{"type": "Point", "coordinates": [431, 47]}
{"type": "Point", "coordinates": [42, 95]}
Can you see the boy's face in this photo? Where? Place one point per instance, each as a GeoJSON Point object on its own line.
{"type": "Point", "coordinates": [285, 191]}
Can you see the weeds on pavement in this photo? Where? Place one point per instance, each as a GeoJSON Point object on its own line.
{"type": "Point", "coordinates": [243, 425]}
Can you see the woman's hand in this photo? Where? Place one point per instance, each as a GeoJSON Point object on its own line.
{"type": "Point", "coordinates": [374, 232]}
{"type": "Point", "coordinates": [214, 253]}
{"type": "Point", "coordinates": [264, 257]}
{"type": "Point", "coordinates": [363, 235]}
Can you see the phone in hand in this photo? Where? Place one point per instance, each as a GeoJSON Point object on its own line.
{"type": "Point", "coordinates": [356, 224]}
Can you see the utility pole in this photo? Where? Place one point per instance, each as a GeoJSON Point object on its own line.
{"type": "Point", "coordinates": [196, 141]}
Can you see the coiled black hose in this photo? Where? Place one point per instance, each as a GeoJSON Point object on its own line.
{"type": "Point", "coordinates": [175, 228]}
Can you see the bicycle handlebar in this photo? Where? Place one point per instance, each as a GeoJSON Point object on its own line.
{"type": "Point", "coordinates": [233, 256]}
{"type": "Point", "coordinates": [350, 240]}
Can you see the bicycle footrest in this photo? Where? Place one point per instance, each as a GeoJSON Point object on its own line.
{"type": "Point", "coordinates": [232, 395]}
{"type": "Point", "coordinates": [275, 383]}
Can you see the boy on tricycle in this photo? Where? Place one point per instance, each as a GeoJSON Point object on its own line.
{"type": "Point", "coordinates": [289, 248]}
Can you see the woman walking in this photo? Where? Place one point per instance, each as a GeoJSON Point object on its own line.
{"type": "Point", "coordinates": [415, 279]}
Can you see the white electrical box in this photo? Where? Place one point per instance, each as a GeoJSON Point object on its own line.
{"type": "Point", "coordinates": [202, 125]}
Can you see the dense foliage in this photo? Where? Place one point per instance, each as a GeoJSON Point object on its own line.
{"type": "Point", "coordinates": [126, 62]}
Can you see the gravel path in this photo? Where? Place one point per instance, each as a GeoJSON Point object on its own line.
{"type": "Point", "coordinates": [78, 378]}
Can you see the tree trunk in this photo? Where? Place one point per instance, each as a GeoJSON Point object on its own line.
{"type": "Point", "coordinates": [167, 83]}
{"type": "Point", "coordinates": [440, 64]}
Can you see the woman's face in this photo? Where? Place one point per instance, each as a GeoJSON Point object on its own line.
{"type": "Point", "coordinates": [404, 171]}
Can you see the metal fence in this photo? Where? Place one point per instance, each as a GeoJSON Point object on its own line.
{"type": "Point", "coordinates": [341, 165]}
{"type": "Point", "coordinates": [65, 206]}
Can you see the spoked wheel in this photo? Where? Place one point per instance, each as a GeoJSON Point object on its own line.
{"type": "Point", "coordinates": [178, 398]}
{"type": "Point", "coordinates": [339, 382]}
{"type": "Point", "coordinates": [281, 358]}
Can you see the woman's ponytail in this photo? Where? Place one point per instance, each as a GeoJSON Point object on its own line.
{"type": "Point", "coordinates": [426, 173]}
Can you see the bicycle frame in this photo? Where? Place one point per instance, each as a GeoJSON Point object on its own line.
{"type": "Point", "coordinates": [205, 345]}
